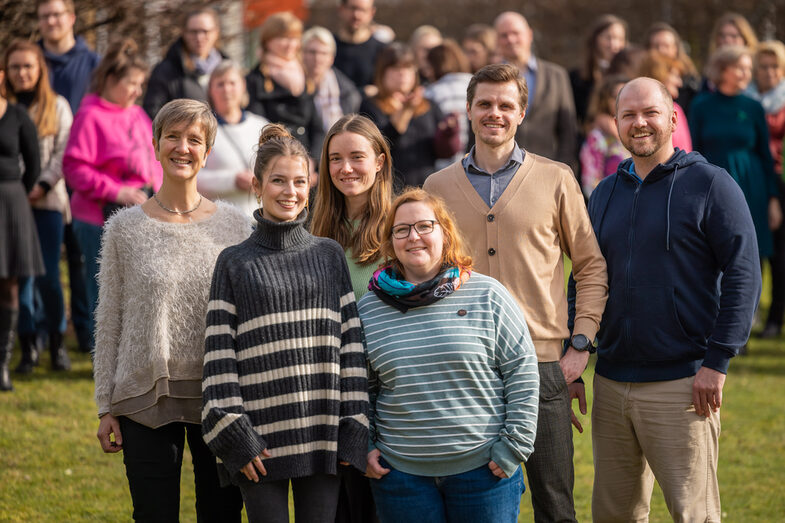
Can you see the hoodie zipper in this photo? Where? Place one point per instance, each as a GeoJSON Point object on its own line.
{"type": "Point", "coordinates": [630, 243]}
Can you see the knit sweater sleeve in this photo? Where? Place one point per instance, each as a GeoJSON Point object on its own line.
{"type": "Point", "coordinates": [108, 313]}
{"type": "Point", "coordinates": [227, 429]}
{"type": "Point", "coordinates": [517, 362]}
{"type": "Point", "coordinates": [588, 264]}
{"type": "Point", "coordinates": [353, 417]}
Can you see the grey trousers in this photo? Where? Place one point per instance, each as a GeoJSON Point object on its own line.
{"type": "Point", "coordinates": [549, 469]}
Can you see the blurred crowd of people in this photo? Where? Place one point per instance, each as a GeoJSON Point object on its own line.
{"type": "Point", "coordinates": [76, 147]}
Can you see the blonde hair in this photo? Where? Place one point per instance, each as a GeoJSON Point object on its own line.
{"type": "Point", "coordinates": [330, 218]}
{"type": "Point", "coordinates": [43, 110]}
{"type": "Point", "coordinates": [774, 48]}
{"type": "Point", "coordinates": [320, 34]}
{"type": "Point", "coordinates": [738, 21]}
{"type": "Point", "coordinates": [454, 251]}
{"type": "Point", "coordinates": [189, 111]}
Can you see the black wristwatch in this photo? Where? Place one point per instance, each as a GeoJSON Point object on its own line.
{"type": "Point", "coordinates": [582, 343]}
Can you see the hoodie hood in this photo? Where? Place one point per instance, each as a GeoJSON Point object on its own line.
{"type": "Point", "coordinates": [679, 160]}
{"type": "Point", "coordinates": [80, 46]}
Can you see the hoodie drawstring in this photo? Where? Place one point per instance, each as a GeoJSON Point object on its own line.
{"type": "Point", "coordinates": [668, 211]}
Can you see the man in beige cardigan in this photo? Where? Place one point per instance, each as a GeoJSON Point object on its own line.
{"type": "Point", "coordinates": [521, 213]}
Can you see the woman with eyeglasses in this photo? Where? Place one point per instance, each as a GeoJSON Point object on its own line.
{"type": "Point", "coordinates": [453, 380]}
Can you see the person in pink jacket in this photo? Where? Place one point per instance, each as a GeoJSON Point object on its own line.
{"type": "Point", "coordinates": [109, 162]}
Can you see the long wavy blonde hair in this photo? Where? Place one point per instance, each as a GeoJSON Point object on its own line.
{"type": "Point", "coordinates": [330, 218]}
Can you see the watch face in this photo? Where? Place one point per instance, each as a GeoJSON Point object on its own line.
{"type": "Point", "coordinates": [580, 342]}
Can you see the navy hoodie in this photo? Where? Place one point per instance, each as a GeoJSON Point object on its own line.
{"type": "Point", "coordinates": [71, 72]}
{"type": "Point", "coordinates": [683, 270]}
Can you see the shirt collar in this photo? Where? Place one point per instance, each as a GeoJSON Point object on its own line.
{"type": "Point", "coordinates": [516, 158]}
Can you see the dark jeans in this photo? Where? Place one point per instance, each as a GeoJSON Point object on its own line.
{"type": "Point", "coordinates": [315, 499]}
{"type": "Point", "coordinates": [89, 238]}
{"type": "Point", "coordinates": [475, 496]}
{"type": "Point", "coordinates": [549, 468]}
{"type": "Point", "coordinates": [153, 458]}
{"type": "Point", "coordinates": [41, 305]}
{"type": "Point", "coordinates": [76, 279]}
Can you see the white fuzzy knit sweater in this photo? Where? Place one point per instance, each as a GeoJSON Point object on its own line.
{"type": "Point", "coordinates": [154, 283]}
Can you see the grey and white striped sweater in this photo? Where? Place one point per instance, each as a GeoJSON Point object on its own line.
{"type": "Point", "coordinates": [284, 365]}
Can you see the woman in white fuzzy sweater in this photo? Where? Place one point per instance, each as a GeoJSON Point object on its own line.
{"type": "Point", "coordinates": [155, 270]}
{"type": "Point", "coordinates": [229, 169]}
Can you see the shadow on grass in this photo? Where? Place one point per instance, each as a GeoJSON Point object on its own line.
{"type": "Point", "coordinates": [64, 376]}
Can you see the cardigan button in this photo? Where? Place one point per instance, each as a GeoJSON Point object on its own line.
{"type": "Point", "coordinates": [491, 217]}
{"type": "Point", "coordinates": [461, 312]}
{"type": "Point", "coordinates": [491, 251]}
{"type": "Point", "coordinates": [300, 131]}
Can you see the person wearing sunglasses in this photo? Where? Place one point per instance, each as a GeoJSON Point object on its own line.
{"type": "Point", "coordinates": [453, 381]}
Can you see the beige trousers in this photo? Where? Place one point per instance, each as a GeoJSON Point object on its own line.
{"type": "Point", "coordinates": [643, 431]}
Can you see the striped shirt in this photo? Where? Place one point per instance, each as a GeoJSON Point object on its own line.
{"type": "Point", "coordinates": [284, 365]}
{"type": "Point", "coordinates": [453, 385]}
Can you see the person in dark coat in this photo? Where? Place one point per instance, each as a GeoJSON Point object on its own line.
{"type": "Point", "coordinates": [278, 88]}
{"type": "Point", "coordinates": [185, 70]}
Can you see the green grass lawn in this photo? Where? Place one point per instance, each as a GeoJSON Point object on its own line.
{"type": "Point", "coordinates": [52, 468]}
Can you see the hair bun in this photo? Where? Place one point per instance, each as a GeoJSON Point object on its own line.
{"type": "Point", "coordinates": [272, 131]}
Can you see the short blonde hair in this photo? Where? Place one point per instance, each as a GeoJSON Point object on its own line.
{"type": "Point", "coordinates": [189, 111]}
{"type": "Point", "coordinates": [774, 48]}
{"type": "Point", "coordinates": [322, 35]}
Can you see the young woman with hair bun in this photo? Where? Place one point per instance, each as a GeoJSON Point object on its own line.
{"type": "Point", "coordinates": [285, 384]}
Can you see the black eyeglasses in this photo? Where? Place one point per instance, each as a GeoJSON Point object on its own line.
{"type": "Point", "coordinates": [403, 230]}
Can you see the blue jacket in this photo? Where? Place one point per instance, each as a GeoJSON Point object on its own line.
{"type": "Point", "coordinates": [71, 72]}
{"type": "Point", "coordinates": [683, 270]}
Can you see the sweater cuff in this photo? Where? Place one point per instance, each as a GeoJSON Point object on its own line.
{"type": "Point", "coordinates": [717, 359]}
{"type": "Point", "coordinates": [238, 449]}
{"type": "Point", "coordinates": [353, 444]}
{"type": "Point", "coordinates": [503, 456]}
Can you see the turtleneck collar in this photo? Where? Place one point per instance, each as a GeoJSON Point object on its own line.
{"type": "Point", "coordinates": [280, 235]}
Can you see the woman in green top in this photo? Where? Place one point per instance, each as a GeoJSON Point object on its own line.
{"type": "Point", "coordinates": [730, 130]}
{"type": "Point", "coordinates": [353, 199]}
{"type": "Point", "coordinates": [354, 194]}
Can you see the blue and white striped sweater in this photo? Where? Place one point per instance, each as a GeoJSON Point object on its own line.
{"type": "Point", "coordinates": [454, 384]}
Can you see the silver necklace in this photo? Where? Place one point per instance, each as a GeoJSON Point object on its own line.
{"type": "Point", "coordinates": [167, 209]}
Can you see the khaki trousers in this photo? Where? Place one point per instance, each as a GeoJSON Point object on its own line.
{"type": "Point", "coordinates": [643, 431]}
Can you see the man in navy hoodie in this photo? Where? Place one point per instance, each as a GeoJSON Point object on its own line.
{"type": "Point", "coordinates": [71, 65]}
{"type": "Point", "coordinates": [684, 281]}
{"type": "Point", "coordinates": [70, 61]}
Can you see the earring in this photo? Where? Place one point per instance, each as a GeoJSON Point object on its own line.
{"type": "Point", "coordinates": [259, 201]}
{"type": "Point", "coordinates": [307, 208]}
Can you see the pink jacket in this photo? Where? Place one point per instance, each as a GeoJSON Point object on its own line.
{"type": "Point", "coordinates": [109, 147]}
{"type": "Point", "coordinates": [681, 137]}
